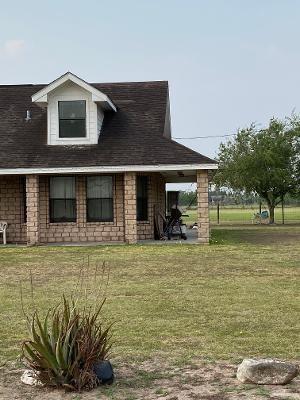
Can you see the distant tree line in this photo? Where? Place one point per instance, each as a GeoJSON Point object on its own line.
{"type": "Point", "coordinates": [231, 198]}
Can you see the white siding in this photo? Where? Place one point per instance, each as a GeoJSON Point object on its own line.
{"type": "Point", "coordinates": [94, 115]}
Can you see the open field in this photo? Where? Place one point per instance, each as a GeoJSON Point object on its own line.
{"type": "Point", "coordinates": [234, 215]}
{"type": "Point", "coordinates": [183, 305]}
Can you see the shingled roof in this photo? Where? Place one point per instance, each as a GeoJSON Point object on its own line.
{"type": "Point", "coordinates": [134, 135]}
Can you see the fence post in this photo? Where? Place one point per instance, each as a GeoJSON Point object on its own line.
{"type": "Point", "coordinates": [259, 207]}
{"type": "Point", "coordinates": [218, 213]}
{"type": "Point", "coordinates": [282, 209]}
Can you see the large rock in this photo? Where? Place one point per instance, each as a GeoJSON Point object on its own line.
{"type": "Point", "coordinates": [104, 372]}
{"type": "Point", "coordinates": [266, 372]}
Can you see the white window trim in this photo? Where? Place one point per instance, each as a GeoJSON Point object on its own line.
{"type": "Point", "coordinates": [69, 141]}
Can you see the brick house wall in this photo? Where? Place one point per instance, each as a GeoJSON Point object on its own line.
{"type": "Point", "coordinates": [81, 230]}
{"type": "Point", "coordinates": [202, 207]}
{"type": "Point", "coordinates": [12, 210]}
{"type": "Point", "coordinates": [130, 223]}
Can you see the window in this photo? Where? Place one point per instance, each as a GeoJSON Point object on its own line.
{"type": "Point", "coordinates": [100, 198]}
{"type": "Point", "coordinates": [142, 198]}
{"type": "Point", "coordinates": [62, 199]}
{"type": "Point", "coordinates": [72, 119]}
{"type": "Point", "coordinates": [24, 200]}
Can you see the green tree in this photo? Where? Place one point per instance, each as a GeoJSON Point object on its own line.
{"type": "Point", "coordinates": [264, 162]}
{"type": "Point", "coordinates": [188, 198]}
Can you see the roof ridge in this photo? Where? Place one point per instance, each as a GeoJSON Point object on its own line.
{"type": "Point", "coordinates": [132, 83]}
{"type": "Point", "coordinates": [92, 83]}
{"type": "Point", "coordinates": [20, 84]}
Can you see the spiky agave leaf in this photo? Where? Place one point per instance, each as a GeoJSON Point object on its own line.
{"type": "Point", "coordinates": [64, 348]}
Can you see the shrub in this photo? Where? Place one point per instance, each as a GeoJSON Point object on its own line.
{"type": "Point", "coordinates": [66, 344]}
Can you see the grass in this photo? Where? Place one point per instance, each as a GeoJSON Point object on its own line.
{"type": "Point", "coordinates": [234, 215]}
{"type": "Point", "coordinates": [235, 298]}
{"type": "Point", "coordinates": [256, 234]}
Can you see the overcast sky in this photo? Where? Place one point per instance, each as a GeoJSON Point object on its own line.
{"type": "Point", "coordinates": [228, 62]}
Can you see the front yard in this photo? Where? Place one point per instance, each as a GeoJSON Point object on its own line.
{"type": "Point", "coordinates": [179, 305]}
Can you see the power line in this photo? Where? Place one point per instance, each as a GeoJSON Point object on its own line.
{"type": "Point", "coordinates": [205, 137]}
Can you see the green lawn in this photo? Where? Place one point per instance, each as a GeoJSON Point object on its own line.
{"type": "Point", "coordinates": [237, 297]}
{"type": "Point", "coordinates": [236, 215]}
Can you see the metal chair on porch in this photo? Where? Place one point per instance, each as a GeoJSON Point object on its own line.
{"type": "Point", "coordinates": [3, 227]}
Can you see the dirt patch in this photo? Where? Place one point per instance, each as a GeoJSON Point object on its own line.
{"type": "Point", "coordinates": [157, 380]}
{"type": "Point", "coordinates": [268, 238]}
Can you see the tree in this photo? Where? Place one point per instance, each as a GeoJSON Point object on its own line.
{"type": "Point", "coordinates": [264, 162]}
{"type": "Point", "coordinates": [188, 198]}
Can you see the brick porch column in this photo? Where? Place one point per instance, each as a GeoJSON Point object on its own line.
{"type": "Point", "coordinates": [130, 225]}
{"type": "Point", "coordinates": [202, 206]}
{"type": "Point", "coordinates": [33, 209]}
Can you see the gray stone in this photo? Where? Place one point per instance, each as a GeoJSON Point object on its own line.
{"type": "Point", "coordinates": [266, 372]}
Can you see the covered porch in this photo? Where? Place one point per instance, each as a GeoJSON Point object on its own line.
{"type": "Point", "coordinates": [200, 177]}
{"type": "Point", "coordinates": [25, 204]}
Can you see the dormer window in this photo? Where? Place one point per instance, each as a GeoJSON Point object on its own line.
{"type": "Point", "coordinates": [72, 119]}
{"type": "Point", "coordinates": [75, 111]}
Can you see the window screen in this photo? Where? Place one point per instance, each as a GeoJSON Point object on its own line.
{"type": "Point", "coordinates": [24, 199]}
{"type": "Point", "coordinates": [142, 198]}
{"type": "Point", "coordinates": [100, 198]}
{"type": "Point", "coordinates": [62, 199]}
{"type": "Point", "coordinates": [72, 116]}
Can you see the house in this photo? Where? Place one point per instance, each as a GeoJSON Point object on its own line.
{"type": "Point", "coordinates": [84, 162]}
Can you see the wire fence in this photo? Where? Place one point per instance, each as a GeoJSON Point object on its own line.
{"type": "Point", "coordinates": [245, 215]}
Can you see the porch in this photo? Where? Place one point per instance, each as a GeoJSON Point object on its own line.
{"type": "Point", "coordinates": [191, 238]}
{"type": "Point", "coordinates": [26, 203]}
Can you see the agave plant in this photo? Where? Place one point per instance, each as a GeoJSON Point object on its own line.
{"type": "Point", "coordinates": [64, 348]}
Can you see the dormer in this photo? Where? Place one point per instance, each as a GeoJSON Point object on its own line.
{"type": "Point", "coordinates": [75, 110]}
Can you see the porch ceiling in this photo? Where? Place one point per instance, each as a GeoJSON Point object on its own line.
{"type": "Point", "coordinates": [180, 176]}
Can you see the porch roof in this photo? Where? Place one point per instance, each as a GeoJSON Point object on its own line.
{"type": "Point", "coordinates": [172, 173]}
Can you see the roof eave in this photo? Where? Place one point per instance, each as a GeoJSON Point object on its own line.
{"type": "Point", "coordinates": [108, 169]}
{"type": "Point", "coordinates": [97, 96]}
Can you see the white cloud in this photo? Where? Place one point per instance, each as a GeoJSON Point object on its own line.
{"type": "Point", "coordinates": [13, 47]}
